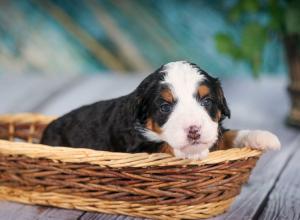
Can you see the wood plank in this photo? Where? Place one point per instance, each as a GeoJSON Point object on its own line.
{"type": "Point", "coordinates": [99, 216]}
{"type": "Point", "coordinates": [284, 200]}
{"type": "Point", "coordinates": [262, 181]}
{"type": "Point", "coordinates": [13, 211]}
{"type": "Point", "coordinates": [51, 213]}
{"type": "Point", "coordinates": [8, 211]}
{"type": "Point", "coordinates": [261, 103]}
{"type": "Point", "coordinates": [265, 112]}
{"type": "Point", "coordinates": [28, 93]}
{"type": "Point", "coordinates": [12, 88]}
{"type": "Point", "coordinates": [92, 89]}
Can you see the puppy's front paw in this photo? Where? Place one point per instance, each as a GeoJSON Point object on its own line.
{"type": "Point", "coordinates": [263, 140]}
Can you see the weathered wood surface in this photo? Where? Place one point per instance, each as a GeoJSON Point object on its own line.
{"type": "Point", "coordinates": [91, 89]}
{"type": "Point", "coordinates": [262, 105]}
{"type": "Point", "coordinates": [27, 93]}
{"type": "Point", "coordinates": [284, 199]}
{"type": "Point", "coordinates": [255, 104]}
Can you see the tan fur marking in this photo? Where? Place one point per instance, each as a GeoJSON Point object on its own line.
{"type": "Point", "coordinates": [149, 124]}
{"type": "Point", "coordinates": [167, 149]}
{"type": "Point", "coordinates": [203, 90]}
{"type": "Point", "coordinates": [153, 126]}
{"type": "Point", "coordinates": [226, 141]}
{"type": "Point", "coordinates": [167, 95]}
{"type": "Point", "coordinates": [218, 116]}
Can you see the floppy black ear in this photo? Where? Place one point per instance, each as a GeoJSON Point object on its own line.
{"type": "Point", "coordinates": [144, 95]}
{"type": "Point", "coordinates": [222, 103]}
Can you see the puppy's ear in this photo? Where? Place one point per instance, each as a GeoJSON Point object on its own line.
{"type": "Point", "coordinates": [144, 95]}
{"type": "Point", "coordinates": [222, 103]}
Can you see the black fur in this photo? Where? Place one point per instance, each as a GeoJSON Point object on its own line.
{"type": "Point", "coordinates": [217, 95]}
{"type": "Point", "coordinates": [109, 125]}
{"type": "Point", "coordinates": [114, 125]}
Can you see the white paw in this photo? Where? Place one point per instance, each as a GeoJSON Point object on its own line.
{"type": "Point", "coordinates": [263, 140]}
{"type": "Point", "coordinates": [192, 156]}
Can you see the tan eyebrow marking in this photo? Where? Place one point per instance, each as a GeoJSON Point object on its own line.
{"type": "Point", "coordinates": [167, 95]}
{"type": "Point", "coordinates": [203, 90]}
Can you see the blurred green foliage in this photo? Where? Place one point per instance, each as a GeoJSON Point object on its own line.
{"type": "Point", "coordinates": [280, 19]}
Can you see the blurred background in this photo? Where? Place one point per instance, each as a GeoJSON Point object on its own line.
{"type": "Point", "coordinates": [118, 42]}
{"type": "Point", "coordinates": [96, 36]}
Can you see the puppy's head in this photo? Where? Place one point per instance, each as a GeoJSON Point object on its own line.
{"type": "Point", "coordinates": [181, 105]}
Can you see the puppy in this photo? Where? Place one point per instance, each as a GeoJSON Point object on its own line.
{"type": "Point", "coordinates": [178, 109]}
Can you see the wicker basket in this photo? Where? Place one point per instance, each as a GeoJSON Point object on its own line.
{"type": "Point", "coordinates": [145, 185]}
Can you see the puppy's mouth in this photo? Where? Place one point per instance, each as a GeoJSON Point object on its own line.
{"type": "Point", "coordinates": [193, 145]}
{"type": "Point", "coordinates": [196, 142]}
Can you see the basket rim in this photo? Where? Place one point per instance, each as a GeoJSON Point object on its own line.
{"type": "Point", "coordinates": [116, 159]}
{"type": "Point", "coordinates": [26, 118]}
{"type": "Point", "coordinates": [20, 152]}
{"type": "Point", "coordinates": [203, 210]}
{"type": "Point", "coordinates": [105, 158]}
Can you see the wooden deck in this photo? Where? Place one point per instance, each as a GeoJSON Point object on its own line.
{"type": "Point", "coordinates": [273, 190]}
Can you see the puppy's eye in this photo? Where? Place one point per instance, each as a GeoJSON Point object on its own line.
{"type": "Point", "coordinates": [165, 108]}
{"type": "Point", "coordinates": [206, 102]}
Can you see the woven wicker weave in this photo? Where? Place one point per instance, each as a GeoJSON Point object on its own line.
{"type": "Point", "coordinates": [145, 185]}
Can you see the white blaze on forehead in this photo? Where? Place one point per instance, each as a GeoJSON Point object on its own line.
{"type": "Point", "coordinates": [182, 78]}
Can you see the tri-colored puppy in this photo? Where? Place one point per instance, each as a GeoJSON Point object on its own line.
{"type": "Point", "coordinates": [178, 109]}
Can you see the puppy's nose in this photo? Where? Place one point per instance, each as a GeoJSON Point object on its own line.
{"type": "Point", "coordinates": [193, 133]}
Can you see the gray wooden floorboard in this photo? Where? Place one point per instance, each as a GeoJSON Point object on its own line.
{"type": "Point", "coordinates": [284, 200]}
{"type": "Point", "coordinates": [18, 211]}
{"type": "Point", "coordinates": [99, 216]}
{"type": "Point", "coordinates": [249, 203]}
{"type": "Point", "coordinates": [92, 89]}
{"type": "Point", "coordinates": [263, 105]}
{"type": "Point", "coordinates": [28, 92]}
{"type": "Point", "coordinates": [22, 94]}
{"type": "Point", "coordinates": [13, 89]}
{"type": "Point", "coordinates": [12, 211]}
{"type": "Point", "coordinates": [254, 104]}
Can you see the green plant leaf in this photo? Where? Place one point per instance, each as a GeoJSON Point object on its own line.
{"type": "Point", "coordinates": [235, 13]}
{"type": "Point", "coordinates": [292, 18]}
{"type": "Point", "coordinates": [284, 18]}
{"type": "Point", "coordinates": [253, 39]}
{"type": "Point", "coordinates": [242, 7]}
{"type": "Point", "coordinates": [276, 14]}
{"type": "Point", "coordinates": [225, 44]}
{"type": "Point", "coordinates": [250, 5]}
